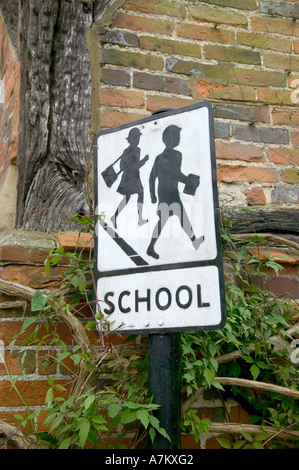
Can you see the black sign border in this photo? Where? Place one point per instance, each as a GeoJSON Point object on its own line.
{"type": "Point", "coordinates": [217, 261]}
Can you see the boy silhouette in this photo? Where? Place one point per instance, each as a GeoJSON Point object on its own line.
{"type": "Point", "coordinates": [167, 169]}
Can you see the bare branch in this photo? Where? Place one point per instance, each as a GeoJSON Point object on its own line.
{"type": "Point", "coordinates": [236, 428]}
{"type": "Point", "coordinates": [13, 433]}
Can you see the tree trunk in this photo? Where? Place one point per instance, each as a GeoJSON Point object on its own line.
{"type": "Point", "coordinates": [55, 103]}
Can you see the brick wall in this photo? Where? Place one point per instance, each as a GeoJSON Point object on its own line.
{"type": "Point", "coordinates": [240, 55]}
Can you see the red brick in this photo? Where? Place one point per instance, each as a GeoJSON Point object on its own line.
{"type": "Point", "coordinates": [67, 367]}
{"type": "Point", "coordinates": [38, 256]}
{"type": "Point", "coordinates": [188, 442]}
{"type": "Point", "coordinates": [13, 362]}
{"type": "Point", "coordinates": [216, 91]}
{"type": "Point", "coordinates": [275, 25]}
{"type": "Point", "coordinates": [206, 33]}
{"type": "Point", "coordinates": [121, 98]}
{"type": "Point", "coordinates": [75, 240]}
{"type": "Point", "coordinates": [294, 136]}
{"type": "Point", "coordinates": [33, 391]}
{"type": "Point", "coordinates": [142, 23]}
{"type": "Point", "coordinates": [236, 151]}
{"type": "Point", "coordinates": [288, 117]}
{"type": "Point", "coordinates": [147, 81]}
{"type": "Point", "coordinates": [13, 253]}
{"type": "Point", "coordinates": [160, 7]}
{"type": "Point", "coordinates": [281, 61]}
{"type": "Point", "coordinates": [155, 102]}
{"type": "Point", "coordinates": [234, 414]}
{"type": "Point", "coordinates": [33, 276]}
{"type": "Point", "coordinates": [274, 96]}
{"type": "Point", "coordinates": [283, 286]}
{"type": "Point", "coordinates": [283, 156]}
{"type": "Point", "coordinates": [255, 196]}
{"type": "Point", "coordinates": [117, 118]}
{"type": "Point", "coordinates": [242, 174]}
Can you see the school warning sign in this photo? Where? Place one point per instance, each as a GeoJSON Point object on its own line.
{"type": "Point", "coordinates": [158, 251]}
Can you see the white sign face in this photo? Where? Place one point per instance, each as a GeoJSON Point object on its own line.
{"type": "Point", "coordinates": [158, 255]}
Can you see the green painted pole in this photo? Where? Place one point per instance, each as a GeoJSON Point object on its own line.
{"type": "Point", "coordinates": [164, 371]}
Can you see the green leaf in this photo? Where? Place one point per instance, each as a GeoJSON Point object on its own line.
{"type": "Point", "coordinates": [88, 402]}
{"type": "Point", "coordinates": [114, 409]}
{"type": "Point", "coordinates": [143, 416]}
{"type": "Point", "coordinates": [99, 419]}
{"type": "Point", "coordinates": [255, 371]}
{"type": "Point", "coordinates": [152, 434]}
{"type": "Point", "coordinates": [261, 436]}
{"type": "Point", "coordinates": [38, 302]}
{"type": "Point", "coordinates": [28, 322]}
{"type": "Point", "coordinates": [238, 444]}
{"type": "Point", "coordinates": [45, 436]}
{"type": "Point", "coordinates": [217, 385]}
{"type": "Point", "coordinates": [209, 375]}
{"type": "Point", "coordinates": [154, 422]}
{"type": "Point", "coordinates": [257, 445]}
{"type": "Point", "coordinates": [66, 443]}
{"type": "Point", "coordinates": [128, 416]}
{"type": "Point", "coordinates": [224, 443]}
{"type": "Point", "coordinates": [83, 433]}
{"type": "Point", "coordinates": [49, 397]}
{"type": "Point", "coordinates": [247, 436]}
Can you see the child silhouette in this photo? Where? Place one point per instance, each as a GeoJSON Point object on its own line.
{"type": "Point", "coordinates": [167, 169]}
{"type": "Point", "coordinates": [130, 183]}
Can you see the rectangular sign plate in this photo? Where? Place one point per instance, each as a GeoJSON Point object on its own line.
{"type": "Point", "coordinates": [157, 247]}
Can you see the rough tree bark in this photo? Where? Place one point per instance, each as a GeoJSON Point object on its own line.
{"type": "Point", "coordinates": [55, 101]}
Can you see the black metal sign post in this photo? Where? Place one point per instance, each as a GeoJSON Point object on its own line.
{"type": "Point", "coordinates": [164, 375]}
{"type": "Point", "coordinates": [159, 267]}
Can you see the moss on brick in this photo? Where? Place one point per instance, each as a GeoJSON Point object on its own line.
{"type": "Point", "coordinates": [161, 7]}
{"type": "Point", "coordinates": [243, 5]}
{"type": "Point", "coordinates": [169, 46]}
{"type": "Point", "coordinates": [215, 72]}
{"type": "Point", "coordinates": [263, 78]}
{"type": "Point", "coordinates": [264, 41]}
{"type": "Point", "coordinates": [275, 25]}
{"type": "Point", "coordinates": [215, 14]}
{"type": "Point", "coordinates": [290, 175]}
{"type": "Point", "coordinates": [232, 54]}
{"type": "Point", "coordinates": [279, 61]}
{"type": "Point", "coordinates": [205, 32]}
{"type": "Point", "coordinates": [131, 59]}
